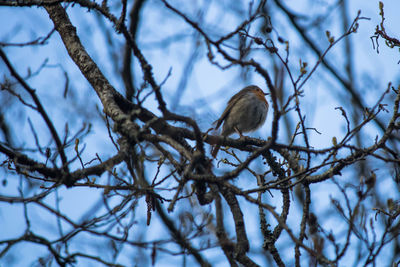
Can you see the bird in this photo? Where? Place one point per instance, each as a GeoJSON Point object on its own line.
{"type": "Point", "coordinates": [246, 111]}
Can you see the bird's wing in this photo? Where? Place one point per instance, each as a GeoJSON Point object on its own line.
{"type": "Point", "coordinates": [228, 108]}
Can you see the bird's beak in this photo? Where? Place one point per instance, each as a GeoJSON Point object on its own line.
{"type": "Point", "coordinates": [266, 93]}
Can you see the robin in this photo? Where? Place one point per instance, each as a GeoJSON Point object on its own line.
{"type": "Point", "coordinates": [246, 111]}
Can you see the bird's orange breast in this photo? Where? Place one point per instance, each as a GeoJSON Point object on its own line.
{"type": "Point", "coordinates": [260, 95]}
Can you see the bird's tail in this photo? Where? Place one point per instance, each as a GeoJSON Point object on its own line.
{"type": "Point", "coordinates": [215, 150]}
